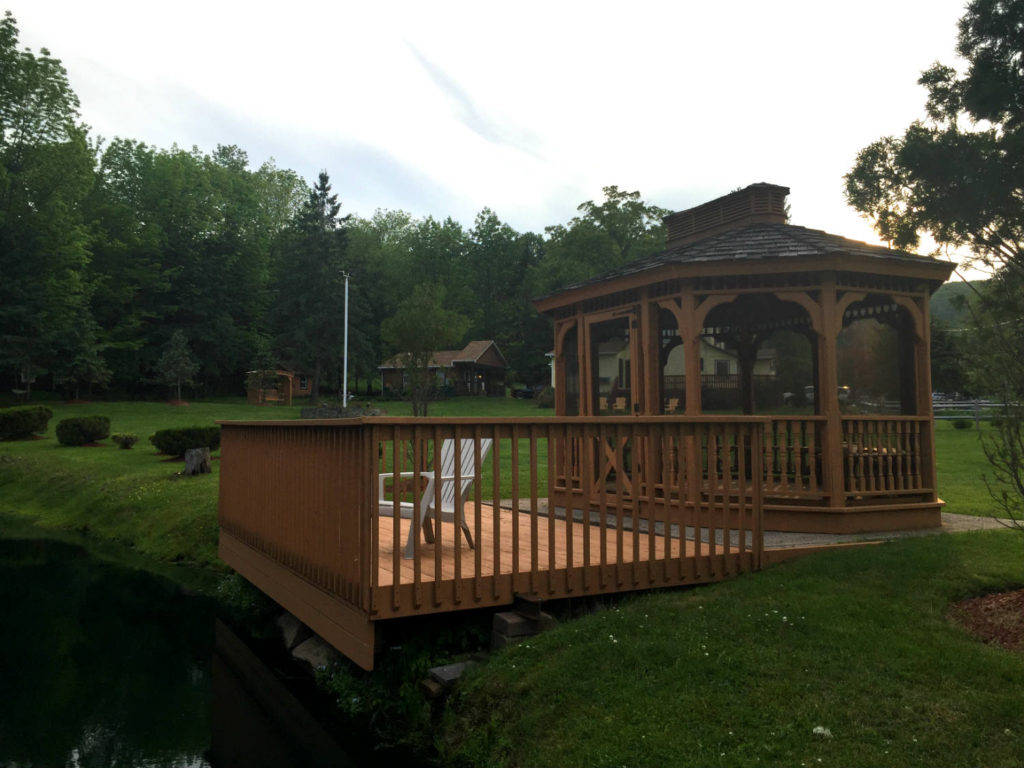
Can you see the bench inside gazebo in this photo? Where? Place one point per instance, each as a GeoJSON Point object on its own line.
{"type": "Point", "coordinates": [753, 376]}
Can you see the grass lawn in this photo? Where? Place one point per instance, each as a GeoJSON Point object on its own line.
{"type": "Point", "coordinates": [742, 673]}
{"type": "Point", "coordinates": [736, 674]}
{"type": "Point", "coordinates": [136, 498]}
{"type": "Point", "coordinates": [961, 466]}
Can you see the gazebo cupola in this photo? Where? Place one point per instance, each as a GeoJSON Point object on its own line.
{"type": "Point", "coordinates": [746, 313]}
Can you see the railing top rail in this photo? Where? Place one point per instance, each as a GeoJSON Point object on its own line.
{"type": "Point", "coordinates": [885, 417]}
{"type": "Point", "coordinates": [484, 421]}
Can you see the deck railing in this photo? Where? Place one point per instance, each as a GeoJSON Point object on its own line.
{"type": "Point", "coordinates": [307, 495]}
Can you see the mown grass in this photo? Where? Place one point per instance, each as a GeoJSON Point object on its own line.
{"type": "Point", "coordinates": [961, 467]}
{"type": "Point", "coordinates": [137, 498]}
{"type": "Point", "coordinates": [742, 673]}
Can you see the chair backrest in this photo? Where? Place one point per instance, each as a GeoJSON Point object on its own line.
{"type": "Point", "coordinates": [467, 468]}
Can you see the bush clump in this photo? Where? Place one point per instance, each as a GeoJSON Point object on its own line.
{"type": "Point", "coordinates": [83, 429]}
{"type": "Point", "coordinates": [125, 440]}
{"type": "Point", "coordinates": [19, 423]}
{"type": "Point", "coordinates": [174, 442]}
{"type": "Point", "coordinates": [963, 423]}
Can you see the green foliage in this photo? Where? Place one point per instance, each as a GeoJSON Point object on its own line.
{"type": "Point", "coordinates": [125, 440]}
{"type": "Point", "coordinates": [45, 174]}
{"type": "Point", "coordinates": [958, 175]}
{"type": "Point", "coordinates": [963, 424]}
{"type": "Point", "coordinates": [80, 430]}
{"type": "Point", "coordinates": [127, 498]}
{"type": "Point", "coordinates": [175, 441]}
{"type": "Point", "coordinates": [177, 365]}
{"type": "Point", "coordinates": [421, 326]}
{"type": "Point", "coordinates": [309, 304]}
{"type": "Point", "coordinates": [20, 423]}
{"type": "Point", "coordinates": [389, 702]}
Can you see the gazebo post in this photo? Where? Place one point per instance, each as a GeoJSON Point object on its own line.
{"type": "Point", "coordinates": [649, 348]}
{"type": "Point", "coordinates": [746, 352]}
{"type": "Point", "coordinates": [689, 332]}
{"type": "Point", "coordinates": [826, 399]}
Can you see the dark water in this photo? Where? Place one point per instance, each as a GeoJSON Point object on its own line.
{"type": "Point", "coordinates": [102, 665]}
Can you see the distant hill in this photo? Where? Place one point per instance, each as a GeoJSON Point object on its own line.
{"type": "Point", "coordinates": [949, 303]}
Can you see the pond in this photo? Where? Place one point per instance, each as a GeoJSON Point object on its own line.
{"type": "Point", "coordinates": [103, 665]}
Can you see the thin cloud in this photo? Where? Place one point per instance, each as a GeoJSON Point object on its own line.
{"type": "Point", "coordinates": [501, 131]}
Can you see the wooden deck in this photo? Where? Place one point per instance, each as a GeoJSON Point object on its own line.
{"type": "Point", "coordinates": [557, 543]}
{"type": "Point", "coordinates": [303, 516]}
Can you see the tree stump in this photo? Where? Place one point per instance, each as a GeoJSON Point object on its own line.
{"type": "Point", "coordinates": [197, 461]}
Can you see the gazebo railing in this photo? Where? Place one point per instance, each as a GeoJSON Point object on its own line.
{"type": "Point", "coordinates": [885, 455]}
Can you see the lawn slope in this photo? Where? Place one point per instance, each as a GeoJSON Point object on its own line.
{"type": "Point", "coordinates": [853, 643]}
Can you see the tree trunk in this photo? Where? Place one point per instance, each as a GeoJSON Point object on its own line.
{"type": "Point", "coordinates": [197, 461]}
{"type": "Point", "coordinates": [314, 389]}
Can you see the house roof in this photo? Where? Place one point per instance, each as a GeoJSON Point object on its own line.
{"type": "Point", "coordinates": [759, 242]}
{"type": "Point", "coordinates": [447, 358]}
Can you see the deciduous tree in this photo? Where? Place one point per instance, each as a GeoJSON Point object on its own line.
{"type": "Point", "coordinates": [46, 167]}
{"type": "Point", "coordinates": [421, 326]}
{"type": "Point", "coordinates": [177, 365]}
{"type": "Point", "coordinates": [958, 176]}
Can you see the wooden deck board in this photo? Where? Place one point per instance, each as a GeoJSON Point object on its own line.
{"type": "Point", "coordinates": [636, 547]}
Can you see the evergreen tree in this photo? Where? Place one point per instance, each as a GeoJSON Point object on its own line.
{"type": "Point", "coordinates": [309, 279]}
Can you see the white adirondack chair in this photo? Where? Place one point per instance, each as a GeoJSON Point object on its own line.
{"type": "Point", "coordinates": [467, 474]}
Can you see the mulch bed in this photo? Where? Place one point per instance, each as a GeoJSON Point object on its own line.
{"type": "Point", "coordinates": [996, 619]}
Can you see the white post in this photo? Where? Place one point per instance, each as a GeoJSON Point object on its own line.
{"type": "Point", "coordinates": [344, 364]}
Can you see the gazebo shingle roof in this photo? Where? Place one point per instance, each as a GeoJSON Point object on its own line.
{"type": "Point", "coordinates": [755, 243]}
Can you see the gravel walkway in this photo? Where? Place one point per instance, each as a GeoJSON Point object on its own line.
{"type": "Point", "coordinates": [951, 523]}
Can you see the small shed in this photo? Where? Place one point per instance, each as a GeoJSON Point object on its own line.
{"type": "Point", "coordinates": [476, 369]}
{"type": "Point", "coordinates": [276, 386]}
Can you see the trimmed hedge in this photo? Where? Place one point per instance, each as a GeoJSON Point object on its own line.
{"type": "Point", "coordinates": [19, 423]}
{"type": "Point", "coordinates": [125, 440]}
{"type": "Point", "coordinates": [174, 442]}
{"type": "Point", "coordinates": [83, 429]}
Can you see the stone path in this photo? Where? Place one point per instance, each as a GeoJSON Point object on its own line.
{"type": "Point", "coordinates": [951, 523]}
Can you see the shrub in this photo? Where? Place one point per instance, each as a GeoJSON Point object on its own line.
{"type": "Point", "coordinates": [19, 423]}
{"type": "Point", "coordinates": [125, 440]}
{"type": "Point", "coordinates": [174, 442]}
{"type": "Point", "coordinates": [963, 423]}
{"type": "Point", "coordinates": [83, 429]}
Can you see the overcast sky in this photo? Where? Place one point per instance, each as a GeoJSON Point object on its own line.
{"type": "Point", "coordinates": [529, 108]}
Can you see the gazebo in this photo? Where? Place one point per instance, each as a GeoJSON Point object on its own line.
{"type": "Point", "coordinates": [744, 313]}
